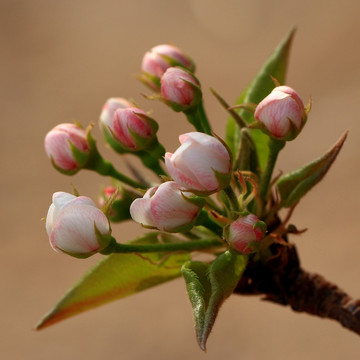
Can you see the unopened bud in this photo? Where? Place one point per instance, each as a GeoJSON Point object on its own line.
{"type": "Point", "coordinates": [180, 89]}
{"type": "Point", "coordinates": [202, 164]}
{"type": "Point", "coordinates": [67, 147]}
{"type": "Point", "coordinates": [76, 226]}
{"type": "Point", "coordinates": [158, 60]}
{"type": "Point", "coordinates": [243, 232]}
{"type": "Point", "coordinates": [282, 113]}
{"type": "Point", "coordinates": [167, 208]}
{"type": "Point", "coordinates": [132, 129]}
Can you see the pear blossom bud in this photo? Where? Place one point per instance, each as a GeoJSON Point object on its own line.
{"type": "Point", "coordinates": [244, 231]}
{"type": "Point", "coordinates": [72, 224]}
{"type": "Point", "coordinates": [120, 201]}
{"type": "Point", "coordinates": [160, 58]}
{"type": "Point", "coordinates": [202, 164]}
{"type": "Point", "coordinates": [132, 129]}
{"type": "Point", "coordinates": [282, 113]}
{"type": "Point", "coordinates": [107, 193]}
{"type": "Point", "coordinates": [167, 208]}
{"type": "Point", "coordinates": [180, 89]}
{"type": "Point", "coordinates": [108, 110]}
{"type": "Point", "coordinates": [61, 145]}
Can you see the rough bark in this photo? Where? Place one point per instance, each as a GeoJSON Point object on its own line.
{"type": "Point", "coordinates": [282, 280]}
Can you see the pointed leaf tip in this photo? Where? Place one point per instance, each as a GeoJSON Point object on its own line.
{"type": "Point", "coordinates": [114, 277]}
{"type": "Point", "coordinates": [209, 286]}
{"type": "Point", "coordinates": [294, 185]}
{"type": "Point", "coordinates": [276, 67]}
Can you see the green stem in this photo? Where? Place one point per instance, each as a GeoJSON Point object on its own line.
{"type": "Point", "coordinates": [152, 156]}
{"type": "Point", "coordinates": [194, 119]}
{"type": "Point", "coordinates": [104, 167]}
{"type": "Point", "coordinates": [234, 203]}
{"type": "Point", "coordinates": [197, 117]}
{"type": "Point", "coordinates": [203, 118]}
{"type": "Point", "coordinates": [150, 162]}
{"type": "Point", "coordinates": [156, 150]}
{"type": "Point", "coordinates": [205, 220]}
{"type": "Point", "coordinates": [274, 146]}
{"type": "Point", "coordinates": [115, 247]}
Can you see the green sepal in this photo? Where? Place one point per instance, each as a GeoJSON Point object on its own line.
{"type": "Point", "coordinates": [194, 199]}
{"type": "Point", "coordinates": [259, 88]}
{"type": "Point", "coordinates": [104, 239]}
{"type": "Point", "coordinates": [117, 207]}
{"type": "Point", "coordinates": [294, 185]}
{"type": "Point", "coordinates": [260, 225]}
{"type": "Point", "coordinates": [175, 63]}
{"type": "Point", "coordinates": [117, 276]}
{"type": "Point", "coordinates": [209, 286]}
{"type": "Point", "coordinates": [81, 157]}
{"type": "Point", "coordinates": [62, 171]}
{"type": "Point", "coordinates": [151, 81]}
{"type": "Point", "coordinates": [140, 142]}
{"type": "Point", "coordinates": [110, 139]}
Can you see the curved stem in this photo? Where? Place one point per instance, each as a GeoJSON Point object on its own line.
{"type": "Point", "coordinates": [234, 203]}
{"type": "Point", "coordinates": [193, 118]}
{"type": "Point", "coordinates": [274, 146]}
{"type": "Point", "coordinates": [104, 167]}
{"type": "Point", "coordinates": [150, 162]}
{"type": "Point", "coordinates": [115, 247]}
{"type": "Point", "coordinates": [203, 118]}
{"type": "Point", "coordinates": [205, 220]}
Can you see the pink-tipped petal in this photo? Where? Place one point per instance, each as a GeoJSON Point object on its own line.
{"type": "Point", "coordinates": [140, 211]}
{"type": "Point", "coordinates": [281, 108]}
{"type": "Point", "coordinates": [74, 232]}
{"type": "Point", "coordinates": [169, 208]}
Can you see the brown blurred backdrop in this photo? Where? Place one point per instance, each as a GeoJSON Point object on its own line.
{"type": "Point", "coordinates": [60, 60]}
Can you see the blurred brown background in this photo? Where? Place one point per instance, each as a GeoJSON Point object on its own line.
{"type": "Point", "coordinates": [60, 60]}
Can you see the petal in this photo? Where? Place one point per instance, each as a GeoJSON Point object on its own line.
{"type": "Point", "coordinates": [201, 161]}
{"type": "Point", "coordinates": [50, 219]}
{"type": "Point", "coordinates": [58, 148]}
{"type": "Point", "coordinates": [183, 176]}
{"type": "Point", "coordinates": [210, 142]}
{"type": "Point", "coordinates": [121, 130]}
{"type": "Point", "coordinates": [141, 213]}
{"type": "Point", "coordinates": [61, 198]}
{"type": "Point", "coordinates": [154, 64]}
{"type": "Point", "coordinates": [169, 208]}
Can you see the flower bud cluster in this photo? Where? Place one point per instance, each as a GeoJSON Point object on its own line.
{"type": "Point", "coordinates": [156, 61]}
{"type": "Point", "coordinates": [200, 166]}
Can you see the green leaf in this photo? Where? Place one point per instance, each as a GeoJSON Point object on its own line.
{"type": "Point", "coordinates": [198, 287]}
{"type": "Point", "coordinates": [293, 186]}
{"type": "Point", "coordinates": [117, 276]}
{"type": "Point", "coordinates": [209, 286]}
{"type": "Point", "coordinates": [259, 88]}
